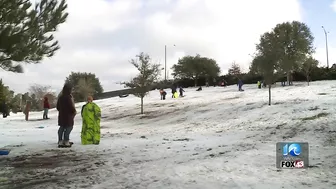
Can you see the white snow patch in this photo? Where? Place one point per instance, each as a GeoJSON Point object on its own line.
{"type": "Point", "coordinates": [215, 138]}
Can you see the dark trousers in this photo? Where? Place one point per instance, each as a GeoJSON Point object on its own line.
{"type": "Point", "coordinates": [45, 113]}
{"type": "Point", "coordinates": [64, 133]}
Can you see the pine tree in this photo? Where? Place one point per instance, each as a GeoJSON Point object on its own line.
{"type": "Point", "coordinates": [2, 92]}
{"type": "Point", "coordinates": [26, 31]}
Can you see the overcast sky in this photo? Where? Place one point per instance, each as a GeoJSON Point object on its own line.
{"type": "Point", "coordinates": [101, 36]}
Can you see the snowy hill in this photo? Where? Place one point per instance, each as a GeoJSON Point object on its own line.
{"type": "Point", "coordinates": [215, 138]}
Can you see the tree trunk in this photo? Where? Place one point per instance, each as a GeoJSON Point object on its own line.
{"type": "Point", "coordinates": [308, 79]}
{"type": "Point", "coordinates": [269, 94]}
{"type": "Point", "coordinates": [196, 81]}
{"type": "Point", "coordinates": [288, 78]}
{"type": "Point", "coordinates": [142, 111]}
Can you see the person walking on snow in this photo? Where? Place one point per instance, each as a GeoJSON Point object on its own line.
{"type": "Point", "coordinates": [46, 107]}
{"type": "Point", "coordinates": [91, 115]}
{"type": "Point", "coordinates": [173, 91]}
{"type": "Point", "coordinates": [26, 110]}
{"type": "Point", "coordinates": [181, 91]}
{"type": "Point", "coordinates": [259, 85]}
{"type": "Point", "coordinates": [163, 94]}
{"type": "Point", "coordinates": [66, 114]}
{"type": "Point", "coordinates": [240, 84]}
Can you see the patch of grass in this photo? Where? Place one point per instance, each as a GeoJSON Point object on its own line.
{"type": "Point", "coordinates": [323, 114]}
{"type": "Point", "coordinates": [276, 103]}
{"type": "Point", "coordinates": [313, 108]}
{"type": "Point", "coordinates": [322, 93]}
{"type": "Point", "coordinates": [331, 140]}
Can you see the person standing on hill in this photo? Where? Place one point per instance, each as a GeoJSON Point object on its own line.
{"type": "Point", "coordinates": [181, 91]}
{"type": "Point", "coordinates": [66, 115]}
{"type": "Point", "coordinates": [240, 85]}
{"type": "Point", "coordinates": [26, 110]}
{"type": "Point", "coordinates": [259, 85]}
{"type": "Point", "coordinates": [91, 115]}
{"type": "Point", "coordinates": [46, 107]}
{"type": "Point", "coordinates": [173, 91]}
{"type": "Point", "coordinates": [163, 94]}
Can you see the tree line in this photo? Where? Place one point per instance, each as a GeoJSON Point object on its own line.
{"type": "Point", "coordinates": [26, 35]}
{"type": "Point", "coordinates": [84, 84]}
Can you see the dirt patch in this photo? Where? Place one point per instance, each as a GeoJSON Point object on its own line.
{"type": "Point", "coordinates": [280, 125]}
{"type": "Point", "coordinates": [178, 139]}
{"type": "Point", "coordinates": [245, 147]}
{"type": "Point", "coordinates": [118, 135]}
{"type": "Point", "coordinates": [323, 114]}
{"type": "Point", "coordinates": [322, 93]}
{"type": "Point", "coordinates": [330, 139]}
{"type": "Point", "coordinates": [155, 114]}
{"type": "Point", "coordinates": [232, 98]}
{"type": "Point", "coordinates": [119, 116]}
{"type": "Point", "coordinates": [202, 111]}
{"type": "Point", "coordinates": [51, 167]}
{"type": "Point", "coordinates": [298, 101]}
{"type": "Point", "coordinates": [313, 108]}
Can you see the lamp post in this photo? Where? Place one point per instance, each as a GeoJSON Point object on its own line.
{"type": "Point", "coordinates": [165, 68]}
{"type": "Point", "coordinates": [326, 39]}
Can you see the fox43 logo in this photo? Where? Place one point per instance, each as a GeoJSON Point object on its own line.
{"type": "Point", "coordinates": [292, 150]}
{"type": "Point", "coordinates": [292, 164]}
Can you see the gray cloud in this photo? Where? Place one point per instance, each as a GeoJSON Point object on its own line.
{"type": "Point", "coordinates": [102, 36]}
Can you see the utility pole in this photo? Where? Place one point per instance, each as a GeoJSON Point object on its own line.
{"type": "Point", "coordinates": [165, 69]}
{"type": "Point", "coordinates": [326, 39]}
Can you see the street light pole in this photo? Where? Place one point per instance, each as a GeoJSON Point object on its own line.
{"type": "Point", "coordinates": [165, 69]}
{"type": "Point", "coordinates": [326, 39]}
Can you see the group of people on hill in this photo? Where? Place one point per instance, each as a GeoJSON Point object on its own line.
{"type": "Point", "coordinates": [90, 114]}
{"type": "Point", "coordinates": [46, 107]}
{"type": "Point", "coordinates": [163, 93]}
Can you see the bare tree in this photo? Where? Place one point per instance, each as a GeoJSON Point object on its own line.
{"type": "Point", "coordinates": [85, 87]}
{"type": "Point", "coordinates": [149, 74]}
{"type": "Point", "coordinates": [235, 70]}
{"type": "Point", "coordinates": [41, 91]}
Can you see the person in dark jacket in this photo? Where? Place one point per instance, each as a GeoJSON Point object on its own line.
{"type": "Point", "coordinates": [240, 85]}
{"type": "Point", "coordinates": [66, 114]}
{"type": "Point", "coordinates": [181, 91]}
{"type": "Point", "coordinates": [163, 94]}
{"type": "Point", "coordinates": [46, 107]}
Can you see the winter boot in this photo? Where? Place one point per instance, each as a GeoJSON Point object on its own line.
{"type": "Point", "coordinates": [60, 143]}
{"type": "Point", "coordinates": [67, 143]}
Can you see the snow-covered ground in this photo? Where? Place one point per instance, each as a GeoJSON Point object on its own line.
{"type": "Point", "coordinates": [215, 138]}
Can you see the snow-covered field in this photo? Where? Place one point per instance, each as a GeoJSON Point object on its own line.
{"type": "Point", "coordinates": [215, 138]}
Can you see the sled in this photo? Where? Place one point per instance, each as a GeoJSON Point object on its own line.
{"type": "Point", "coordinates": [123, 96]}
{"type": "Point", "coordinates": [4, 152]}
{"type": "Point", "coordinates": [63, 146]}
